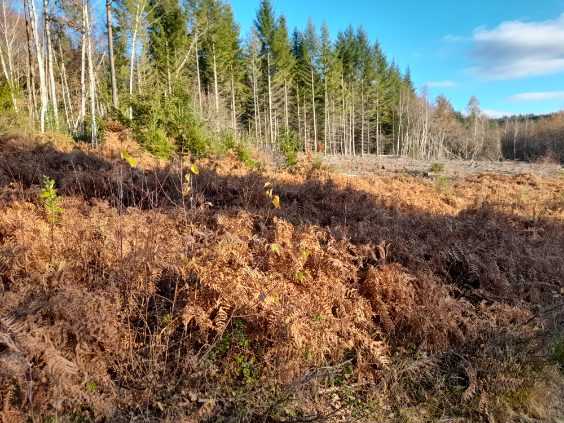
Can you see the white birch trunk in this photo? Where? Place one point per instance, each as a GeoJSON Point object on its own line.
{"type": "Point", "coordinates": [40, 64]}
{"type": "Point", "coordinates": [91, 77]}
{"type": "Point", "coordinates": [215, 85]}
{"type": "Point", "coordinates": [50, 67]}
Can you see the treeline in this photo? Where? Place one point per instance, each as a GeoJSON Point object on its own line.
{"type": "Point", "coordinates": [179, 74]}
{"type": "Point", "coordinates": [534, 138]}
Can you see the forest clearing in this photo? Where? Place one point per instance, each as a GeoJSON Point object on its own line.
{"type": "Point", "coordinates": [389, 165]}
{"type": "Point", "coordinates": [143, 290]}
{"type": "Point", "coordinates": [218, 211]}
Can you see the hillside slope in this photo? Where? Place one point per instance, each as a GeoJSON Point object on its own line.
{"type": "Point", "coordinates": [154, 296]}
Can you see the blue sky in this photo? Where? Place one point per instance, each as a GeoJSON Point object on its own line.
{"type": "Point", "coordinates": [510, 54]}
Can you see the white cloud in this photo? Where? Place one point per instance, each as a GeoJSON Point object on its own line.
{"type": "Point", "coordinates": [538, 96]}
{"type": "Point", "coordinates": [440, 84]}
{"type": "Point", "coordinates": [516, 49]}
{"type": "Point", "coordinates": [496, 114]}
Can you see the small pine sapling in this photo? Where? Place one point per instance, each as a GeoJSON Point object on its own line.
{"type": "Point", "coordinates": [50, 200]}
{"type": "Point", "coordinates": [51, 204]}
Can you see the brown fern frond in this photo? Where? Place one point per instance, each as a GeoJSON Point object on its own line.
{"type": "Point", "coordinates": [472, 389]}
{"type": "Point", "coordinates": [57, 364]}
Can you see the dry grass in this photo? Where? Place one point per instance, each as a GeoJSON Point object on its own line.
{"type": "Point", "coordinates": [374, 299]}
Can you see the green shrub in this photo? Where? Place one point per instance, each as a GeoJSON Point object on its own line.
{"type": "Point", "coordinates": [226, 142]}
{"type": "Point", "coordinates": [289, 147]}
{"type": "Point", "coordinates": [84, 134]}
{"type": "Point", "coordinates": [246, 369]}
{"type": "Point", "coordinates": [168, 124]}
{"type": "Point", "coordinates": [9, 119]}
{"type": "Point", "coordinates": [245, 156]}
{"type": "Point", "coordinates": [317, 163]}
{"type": "Point", "coordinates": [155, 140]}
{"type": "Point", "coordinates": [442, 184]}
{"type": "Point", "coordinates": [437, 168]}
{"type": "Point", "coordinates": [557, 353]}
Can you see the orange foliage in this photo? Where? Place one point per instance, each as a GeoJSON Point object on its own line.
{"type": "Point", "coordinates": [142, 302]}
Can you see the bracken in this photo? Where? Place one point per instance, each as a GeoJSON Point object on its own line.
{"type": "Point", "coordinates": [367, 299]}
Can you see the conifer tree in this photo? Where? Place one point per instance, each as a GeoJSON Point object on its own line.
{"type": "Point", "coordinates": [168, 38]}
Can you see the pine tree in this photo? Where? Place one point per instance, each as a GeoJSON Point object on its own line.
{"type": "Point", "coordinates": [283, 63]}
{"type": "Point", "coordinates": [265, 24]}
{"type": "Point", "coordinates": [168, 38]}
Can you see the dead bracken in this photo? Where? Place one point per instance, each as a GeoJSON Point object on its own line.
{"type": "Point", "coordinates": [378, 298]}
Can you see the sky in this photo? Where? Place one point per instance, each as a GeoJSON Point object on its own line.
{"type": "Point", "coordinates": [509, 54]}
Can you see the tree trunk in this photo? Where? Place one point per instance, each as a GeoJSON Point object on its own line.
{"type": "Point", "coordinates": [82, 112]}
{"type": "Point", "coordinates": [326, 119]}
{"type": "Point", "coordinates": [40, 64]}
{"type": "Point", "coordinates": [138, 12]}
{"type": "Point", "coordinates": [31, 67]}
{"type": "Point", "coordinates": [353, 144]}
{"type": "Point", "coordinates": [306, 141]}
{"type": "Point", "coordinates": [298, 104]}
{"type": "Point", "coordinates": [313, 110]}
{"type": "Point", "coordinates": [91, 77]}
{"type": "Point", "coordinates": [215, 86]}
{"type": "Point", "coordinates": [377, 124]}
{"type": "Point", "coordinates": [52, 86]}
{"type": "Point", "coordinates": [286, 117]}
{"type": "Point", "coordinates": [67, 104]}
{"type": "Point", "coordinates": [115, 100]}
{"type": "Point", "coordinates": [269, 99]}
{"type": "Point", "coordinates": [362, 119]}
{"type": "Point", "coordinates": [233, 111]}
{"type": "Point", "coordinates": [255, 105]}
{"type": "Point", "coordinates": [343, 118]}
{"type": "Point", "coordinates": [198, 74]}
{"type": "Point", "coordinates": [7, 64]}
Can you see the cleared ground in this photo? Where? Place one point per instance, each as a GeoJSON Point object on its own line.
{"type": "Point", "coordinates": [369, 165]}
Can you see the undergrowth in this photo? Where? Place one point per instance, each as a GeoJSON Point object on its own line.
{"type": "Point", "coordinates": [234, 295]}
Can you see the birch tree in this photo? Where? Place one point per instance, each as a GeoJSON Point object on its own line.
{"type": "Point", "coordinates": [44, 97]}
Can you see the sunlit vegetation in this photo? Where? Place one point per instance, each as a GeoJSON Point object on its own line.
{"type": "Point", "coordinates": [210, 291]}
